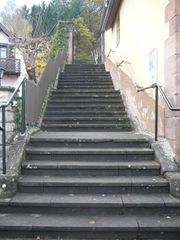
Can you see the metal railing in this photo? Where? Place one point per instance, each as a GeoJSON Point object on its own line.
{"type": "Point", "coordinates": [158, 89]}
{"type": "Point", "coordinates": [11, 66]}
{"type": "Point", "coordinates": [23, 120]}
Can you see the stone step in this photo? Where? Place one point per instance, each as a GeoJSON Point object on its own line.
{"type": "Point", "coordinates": [95, 107]}
{"type": "Point", "coordinates": [113, 95]}
{"type": "Point", "coordinates": [95, 185]}
{"type": "Point", "coordinates": [84, 66]}
{"type": "Point", "coordinates": [84, 84]}
{"type": "Point", "coordinates": [84, 88]}
{"type": "Point", "coordinates": [85, 71]}
{"type": "Point", "coordinates": [85, 75]}
{"type": "Point", "coordinates": [84, 168]}
{"type": "Point", "coordinates": [60, 95]}
{"type": "Point", "coordinates": [84, 113]}
{"type": "Point", "coordinates": [85, 120]}
{"type": "Point", "coordinates": [84, 91]}
{"type": "Point", "coordinates": [86, 127]}
{"type": "Point", "coordinates": [87, 204]}
{"type": "Point", "coordinates": [57, 226]}
{"type": "Point", "coordinates": [93, 140]}
{"type": "Point", "coordinates": [90, 154]}
{"type": "Point", "coordinates": [81, 79]}
{"type": "Point", "coordinates": [86, 101]}
{"type": "Point", "coordinates": [70, 143]}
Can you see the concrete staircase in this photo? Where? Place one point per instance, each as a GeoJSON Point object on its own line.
{"type": "Point", "coordinates": [87, 175]}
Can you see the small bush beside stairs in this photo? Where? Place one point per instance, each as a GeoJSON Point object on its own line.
{"type": "Point", "coordinates": [87, 174]}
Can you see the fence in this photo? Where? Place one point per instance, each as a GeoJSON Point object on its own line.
{"type": "Point", "coordinates": [36, 93]}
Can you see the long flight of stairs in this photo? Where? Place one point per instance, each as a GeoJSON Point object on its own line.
{"type": "Point", "coordinates": [87, 174]}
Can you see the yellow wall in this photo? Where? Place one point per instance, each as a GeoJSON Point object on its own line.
{"type": "Point", "coordinates": [142, 28]}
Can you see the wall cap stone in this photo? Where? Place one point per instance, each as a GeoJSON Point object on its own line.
{"type": "Point", "coordinates": [8, 185]}
{"type": "Point", "coordinates": [174, 181]}
{"type": "Point", "coordinates": [163, 156]}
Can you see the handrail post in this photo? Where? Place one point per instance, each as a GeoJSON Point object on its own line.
{"type": "Point", "coordinates": [4, 139]}
{"type": "Point", "coordinates": [156, 113]}
{"type": "Point", "coordinates": [23, 118]}
{"type": "Point", "coordinates": [157, 90]}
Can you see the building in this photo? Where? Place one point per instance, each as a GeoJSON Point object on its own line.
{"type": "Point", "coordinates": [9, 58]}
{"type": "Point", "coordinates": [140, 46]}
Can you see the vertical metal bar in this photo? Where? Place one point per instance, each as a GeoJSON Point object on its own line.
{"type": "Point", "coordinates": [23, 116]}
{"type": "Point", "coordinates": [4, 139]}
{"type": "Point", "coordinates": [156, 113]}
{"type": "Point", "coordinates": [73, 46]}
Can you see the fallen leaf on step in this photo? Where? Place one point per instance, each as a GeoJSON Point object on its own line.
{"type": "Point", "coordinates": [92, 221]}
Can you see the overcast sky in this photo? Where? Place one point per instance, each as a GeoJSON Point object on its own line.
{"type": "Point", "coordinates": [29, 3]}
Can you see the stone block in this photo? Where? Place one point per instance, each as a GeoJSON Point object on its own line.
{"type": "Point", "coordinates": [8, 185]}
{"type": "Point", "coordinates": [174, 181]}
{"type": "Point", "coordinates": [173, 145]}
{"type": "Point", "coordinates": [172, 66]}
{"type": "Point", "coordinates": [178, 130]}
{"type": "Point", "coordinates": [172, 45]}
{"type": "Point", "coordinates": [170, 131]}
{"type": "Point", "coordinates": [177, 81]}
{"type": "Point", "coordinates": [171, 114]}
{"type": "Point", "coordinates": [164, 155]}
{"type": "Point", "coordinates": [177, 99]}
{"type": "Point", "coordinates": [174, 25]}
{"type": "Point", "coordinates": [172, 128]}
{"type": "Point", "coordinates": [177, 152]}
{"type": "Point", "coordinates": [172, 10]}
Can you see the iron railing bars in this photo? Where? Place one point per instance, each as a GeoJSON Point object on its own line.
{"type": "Point", "coordinates": [23, 119]}
{"type": "Point", "coordinates": [13, 94]}
{"type": "Point", "coordinates": [158, 89]}
{"type": "Point", "coordinates": [4, 139]}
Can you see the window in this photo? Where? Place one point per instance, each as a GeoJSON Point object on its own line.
{"type": "Point", "coordinates": [3, 52]}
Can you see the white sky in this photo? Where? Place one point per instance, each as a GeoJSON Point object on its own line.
{"type": "Point", "coordinates": [19, 3]}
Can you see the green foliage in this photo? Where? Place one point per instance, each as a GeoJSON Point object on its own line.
{"type": "Point", "coordinates": [44, 18]}
{"type": "Point", "coordinates": [92, 15]}
{"type": "Point", "coordinates": [84, 40]}
{"type": "Point", "coordinates": [58, 40]}
{"type": "Point", "coordinates": [40, 22]}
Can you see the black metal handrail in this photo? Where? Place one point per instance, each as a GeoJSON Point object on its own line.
{"type": "Point", "coordinates": [23, 119]}
{"type": "Point", "coordinates": [158, 89]}
{"type": "Point", "coordinates": [110, 51]}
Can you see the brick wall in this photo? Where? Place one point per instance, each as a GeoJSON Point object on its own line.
{"type": "Point", "coordinates": [172, 75]}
